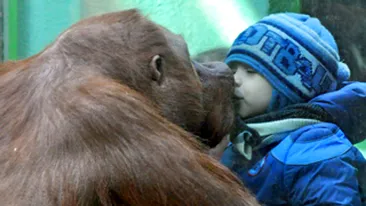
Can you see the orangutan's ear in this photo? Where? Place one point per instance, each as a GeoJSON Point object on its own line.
{"type": "Point", "coordinates": [157, 68]}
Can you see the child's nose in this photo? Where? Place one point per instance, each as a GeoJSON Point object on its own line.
{"type": "Point", "coordinates": [237, 81]}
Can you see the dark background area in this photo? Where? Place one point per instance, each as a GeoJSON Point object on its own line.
{"type": "Point", "coordinates": [346, 20]}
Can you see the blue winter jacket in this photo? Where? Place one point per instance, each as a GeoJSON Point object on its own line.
{"type": "Point", "coordinates": [315, 164]}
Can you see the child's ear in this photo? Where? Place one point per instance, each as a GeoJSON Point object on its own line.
{"type": "Point", "coordinates": [157, 68]}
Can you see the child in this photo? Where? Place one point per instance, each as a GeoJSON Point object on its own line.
{"type": "Point", "coordinates": [293, 155]}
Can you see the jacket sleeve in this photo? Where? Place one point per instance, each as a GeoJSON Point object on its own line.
{"type": "Point", "coordinates": [330, 182]}
{"type": "Point", "coordinates": [347, 106]}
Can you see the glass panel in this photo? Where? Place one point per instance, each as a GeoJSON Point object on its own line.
{"type": "Point", "coordinates": [208, 26]}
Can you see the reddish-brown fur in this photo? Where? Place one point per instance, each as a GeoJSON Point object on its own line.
{"type": "Point", "coordinates": [83, 123]}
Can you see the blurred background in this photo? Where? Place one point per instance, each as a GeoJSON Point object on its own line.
{"type": "Point", "coordinates": [208, 26]}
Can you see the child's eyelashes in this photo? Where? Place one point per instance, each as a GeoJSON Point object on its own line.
{"type": "Point", "coordinates": [251, 71]}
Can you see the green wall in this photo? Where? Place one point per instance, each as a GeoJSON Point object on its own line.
{"type": "Point", "coordinates": [40, 21]}
{"type": "Point", "coordinates": [362, 146]}
{"type": "Point", "coordinates": [205, 24]}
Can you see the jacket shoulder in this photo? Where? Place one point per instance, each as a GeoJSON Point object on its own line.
{"type": "Point", "coordinates": [311, 144]}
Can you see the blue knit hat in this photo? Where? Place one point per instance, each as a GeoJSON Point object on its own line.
{"type": "Point", "coordinates": [295, 53]}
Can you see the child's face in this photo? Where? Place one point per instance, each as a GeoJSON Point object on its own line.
{"type": "Point", "coordinates": [252, 90]}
